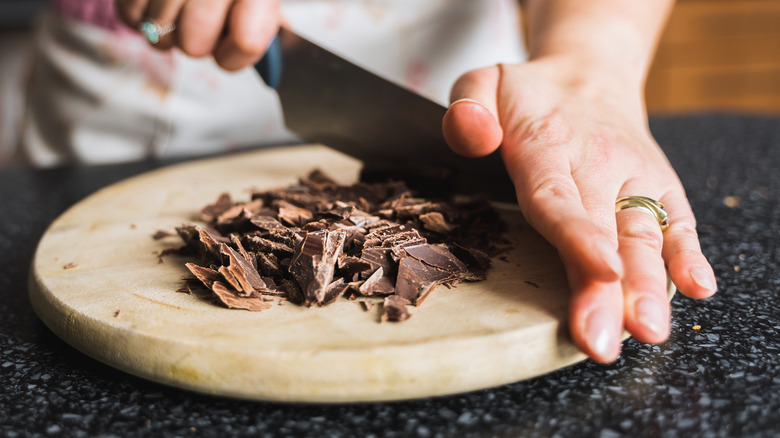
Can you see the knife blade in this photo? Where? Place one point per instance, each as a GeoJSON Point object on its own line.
{"type": "Point", "coordinates": [329, 100]}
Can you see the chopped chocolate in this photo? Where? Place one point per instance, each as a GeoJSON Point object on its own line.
{"type": "Point", "coordinates": [317, 241]}
{"type": "Point", "coordinates": [394, 309]}
{"type": "Point", "coordinates": [210, 212]}
{"type": "Point", "coordinates": [416, 279]}
{"type": "Point", "coordinates": [207, 276]}
{"type": "Point", "coordinates": [437, 256]}
{"type": "Point", "coordinates": [377, 284]}
{"type": "Point", "coordinates": [230, 299]}
{"type": "Point", "coordinates": [245, 274]}
{"type": "Point", "coordinates": [314, 263]}
{"type": "Point", "coordinates": [435, 222]}
{"type": "Point", "coordinates": [334, 291]}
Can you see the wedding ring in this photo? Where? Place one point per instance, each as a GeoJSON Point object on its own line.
{"type": "Point", "coordinates": [650, 205]}
{"type": "Point", "coordinates": [153, 31]}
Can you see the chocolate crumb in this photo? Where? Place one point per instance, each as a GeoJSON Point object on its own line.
{"type": "Point", "coordinates": [162, 234]}
{"type": "Point", "coordinates": [116, 314]}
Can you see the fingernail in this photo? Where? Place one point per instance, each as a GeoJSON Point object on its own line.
{"type": "Point", "coordinates": [609, 256]}
{"type": "Point", "coordinates": [651, 313]}
{"type": "Point", "coordinates": [703, 278]}
{"type": "Point", "coordinates": [465, 99]}
{"type": "Point", "coordinates": [602, 334]}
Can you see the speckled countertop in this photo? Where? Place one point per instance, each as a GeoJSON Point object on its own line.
{"type": "Point", "coordinates": [720, 380]}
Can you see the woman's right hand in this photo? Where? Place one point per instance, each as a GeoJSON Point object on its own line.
{"type": "Point", "coordinates": [235, 32]}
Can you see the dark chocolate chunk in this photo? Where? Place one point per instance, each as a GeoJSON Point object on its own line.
{"type": "Point", "coordinates": [377, 284]}
{"type": "Point", "coordinates": [437, 256]}
{"type": "Point", "coordinates": [210, 212]}
{"type": "Point", "coordinates": [416, 279]}
{"type": "Point", "coordinates": [314, 263]}
{"type": "Point", "coordinates": [394, 309]}
{"type": "Point", "coordinates": [435, 222]}
{"type": "Point", "coordinates": [244, 273]}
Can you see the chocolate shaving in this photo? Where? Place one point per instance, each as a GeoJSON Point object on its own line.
{"type": "Point", "coordinates": [230, 299]}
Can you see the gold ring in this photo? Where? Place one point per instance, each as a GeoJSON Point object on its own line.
{"type": "Point", "coordinates": [651, 205]}
{"type": "Point", "coordinates": [153, 30]}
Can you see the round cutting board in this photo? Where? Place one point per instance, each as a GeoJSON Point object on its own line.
{"type": "Point", "coordinates": [97, 283]}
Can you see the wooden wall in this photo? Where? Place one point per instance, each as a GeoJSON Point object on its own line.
{"type": "Point", "coordinates": [718, 55]}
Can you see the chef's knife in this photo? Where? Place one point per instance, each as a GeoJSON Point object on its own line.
{"type": "Point", "coordinates": [329, 100]}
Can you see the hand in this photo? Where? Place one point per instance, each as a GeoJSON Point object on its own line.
{"type": "Point", "coordinates": [573, 141]}
{"type": "Point", "coordinates": [235, 32]}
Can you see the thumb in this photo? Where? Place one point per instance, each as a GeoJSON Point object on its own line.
{"type": "Point", "coordinates": [471, 125]}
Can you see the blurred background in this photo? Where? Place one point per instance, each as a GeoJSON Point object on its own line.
{"type": "Point", "coordinates": [715, 55]}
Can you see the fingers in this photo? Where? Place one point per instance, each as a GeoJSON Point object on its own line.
{"type": "Point", "coordinates": [132, 12]}
{"type": "Point", "coordinates": [165, 13]}
{"type": "Point", "coordinates": [595, 315]}
{"type": "Point", "coordinates": [235, 32]}
{"type": "Point", "coordinates": [688, 267]}
{"type": "Point", "coordinates": [471, 125]}
{"type": "Point", "coordinates": [201, 23]}
{"type": "Point", "coordinates": [645, 305]}
{"type": "Point", "coordinates": [251, 25]}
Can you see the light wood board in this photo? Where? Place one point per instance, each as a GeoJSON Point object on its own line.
{"type": "Point", "coordinates": [117, 304]}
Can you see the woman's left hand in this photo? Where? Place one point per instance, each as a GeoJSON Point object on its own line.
{"type": "Point", "coordinates": [573, 141]}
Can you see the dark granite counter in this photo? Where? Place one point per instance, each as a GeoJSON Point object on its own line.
{"type": "Point", "coordinates": [720, 380]}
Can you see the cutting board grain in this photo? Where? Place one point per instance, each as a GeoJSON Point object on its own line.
{"type": "Point", "coordinates": [97, 283]}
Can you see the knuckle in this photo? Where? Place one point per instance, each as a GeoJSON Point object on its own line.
{"type": "Point", "coordinates": [551, 188]}
{"type": "Point", "coordinates": [645, 231]}
{"type": "Point", "coordinates": [248, 44]}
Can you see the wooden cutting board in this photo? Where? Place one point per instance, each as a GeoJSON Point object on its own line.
{"type": "Point", "coordinates": [97, 283]}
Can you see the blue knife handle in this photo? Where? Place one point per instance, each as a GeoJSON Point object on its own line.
{"type": "Point", "coordinates": [270, 65]}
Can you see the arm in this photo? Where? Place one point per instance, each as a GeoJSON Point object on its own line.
{"type": "Point", "coordinates": [572, 130]}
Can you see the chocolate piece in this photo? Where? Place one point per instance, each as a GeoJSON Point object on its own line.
{"type": "Point", "coordinates": [377, 284]}
{"type": "Point", "coordinates": [334, 291]}
{"type": "Point", "coordinates": [416, 279]}
{"type": "Point", "coordinates": [378, 257]}
{"type": "Point", "coordinates": [394, 309]}
{"type": "Point", "coordinates": [162, 234]}
{"type": "Point", "coordinates": [293, 215]}
{"type": "Point", "coordinates": [314, 263]}
{"type": "Point", "coordinates": [210, 212]}
{"type": "Point", "coordinates": [437, 256]}
{"type": "Point", "coordinates": [435, 222]}
{"type": "Point", "coordinates": [262, 245]}
{"type": "Point", "coordinates": [349, 266]}
{"type": "Point", "coordinates": [245, 274]}
{"type": "Point", "coordinates": [230, 299]}
{"type": "Point", "coordinates": [207, 276]}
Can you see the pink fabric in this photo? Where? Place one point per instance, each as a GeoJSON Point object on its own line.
{"type": "Point", "coordinates": [97, 12]}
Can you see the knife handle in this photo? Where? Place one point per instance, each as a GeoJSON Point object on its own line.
{"type": "Point", "coordinates": [270, 65]}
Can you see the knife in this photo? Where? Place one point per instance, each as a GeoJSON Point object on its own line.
{"type": "Point", "coordinates": [329, 100]}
